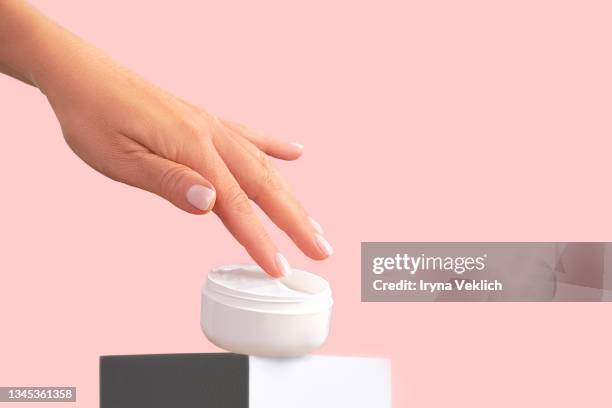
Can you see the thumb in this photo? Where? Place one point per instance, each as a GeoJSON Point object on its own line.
{"type": "Point", "coordinates": [179, 184]}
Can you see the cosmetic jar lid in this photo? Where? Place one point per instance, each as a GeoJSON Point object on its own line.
{"type": "Point", "coordinates": [249, 287]}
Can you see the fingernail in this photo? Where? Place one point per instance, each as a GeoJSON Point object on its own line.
{"type": "Point", "coordinates": [316, 225]}
{"type": "Point", "coordinates": [324, 245]}
{"type": "Point", "coordinates": [298, 145]}
{"type": "Point", "coordinates": [201, 197]}
{"type": "Point", "coordinates": [283, 265]}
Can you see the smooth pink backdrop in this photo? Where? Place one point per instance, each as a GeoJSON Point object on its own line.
{"type": "Point", "coordinates": [429, 120]}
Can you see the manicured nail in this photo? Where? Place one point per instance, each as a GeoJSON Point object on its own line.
{"type": "Point", "coordinates": [317, 227]}
{"type": "Point", "coordinates": [283, 265]}
{"type": "Point", "coordinates": [298, 145]}
{"type": "Point", "coordinates": [201, 197]}
{"type": "Point", "coordinates": [324, 245]}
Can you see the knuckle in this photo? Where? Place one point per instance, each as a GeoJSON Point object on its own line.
{"type": "Point", "coordinates": [270, 180]}
{"type": "Point", "coordinates": [263, 235]}
{"type": "Point", "coordinates": [236, 200]}
{"type": "Point", "coordinates": [170, 180]}
{"type": "Point", "coordinates": [264, 160]}
{"type": "Point", "coordinates": [211, 125]}
{"type": "Point", "coordinates": [190, 135]}
{"type": "Point", "coordinates": [191, 129]}
{"type": "Point", "coordinates": [188, 126]}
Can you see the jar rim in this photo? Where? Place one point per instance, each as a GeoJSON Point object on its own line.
{"type": "Point", "coordinates": [304, 287]}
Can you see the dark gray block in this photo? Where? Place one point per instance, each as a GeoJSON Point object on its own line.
{"type": "Point", "coordinates": [175, 381]}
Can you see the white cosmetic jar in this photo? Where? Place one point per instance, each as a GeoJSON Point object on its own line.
{"type": "Point", "coordinates": [246, 311]}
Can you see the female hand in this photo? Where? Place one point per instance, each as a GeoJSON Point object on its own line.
{"type": "Point", "coordinates": [135, 133]}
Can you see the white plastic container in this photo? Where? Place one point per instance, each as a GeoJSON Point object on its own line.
{"type": "Point", "coordinates": [247, 312]}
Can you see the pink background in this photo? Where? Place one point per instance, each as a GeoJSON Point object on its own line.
{"type": "Point", "coordinates": [430, 120]}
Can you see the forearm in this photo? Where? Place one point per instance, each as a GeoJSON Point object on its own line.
{"type": "Point", "coordinates": [33, 48]}
{"type": "Point", "coordinates": [10, 72]}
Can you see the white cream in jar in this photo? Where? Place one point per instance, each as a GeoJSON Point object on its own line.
{"type": "Point", "coordinates": [246, 311]}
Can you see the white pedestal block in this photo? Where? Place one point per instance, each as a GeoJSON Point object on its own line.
{"type": "Point", "coordinates": [319, 381]}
